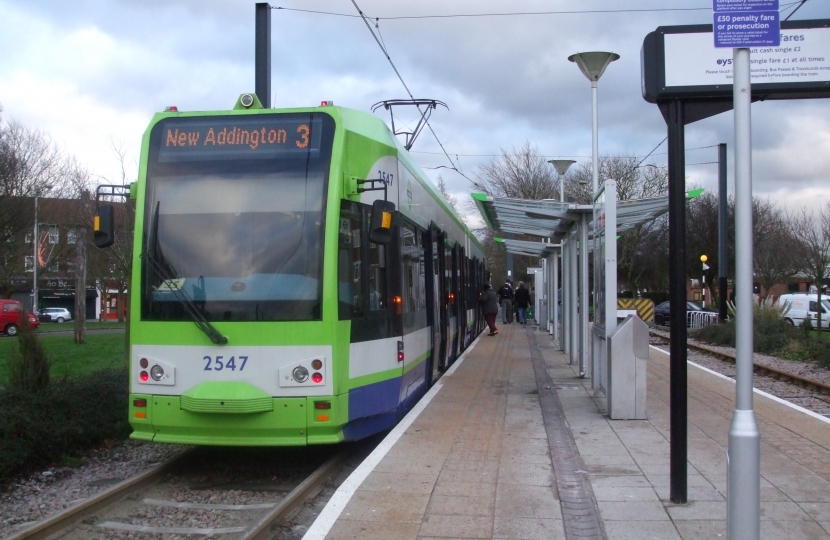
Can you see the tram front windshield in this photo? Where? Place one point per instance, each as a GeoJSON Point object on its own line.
{"type": "Point", "coordinates": [234, 218]}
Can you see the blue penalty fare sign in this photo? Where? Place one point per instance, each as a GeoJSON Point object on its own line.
{"type": "Point", "coordinates": [747, 29]}
{"type": "Point", "coordinates": [745, 5]}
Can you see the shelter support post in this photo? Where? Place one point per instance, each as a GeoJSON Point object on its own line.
{"type": "Point", "coordinates": [555, 298]}
{"type": "Point", "coordinates": [583, 295]}
{"type": "Point", "coordinates": [573, 285]}
{"type": "Point", "coordinates": [723, 233]}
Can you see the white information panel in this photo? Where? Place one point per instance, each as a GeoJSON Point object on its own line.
{"type": "Point", "coordinates": [803, 56]}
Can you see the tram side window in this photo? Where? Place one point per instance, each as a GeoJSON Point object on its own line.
{"type": "Point", "coordinates": [377, 268]}
{"type": "Point", "coordinates": [412, 256]}
{"type": "Point", "coordinates": [349, 271]}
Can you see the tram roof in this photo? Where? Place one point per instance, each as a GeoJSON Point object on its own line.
{"type": "Point", "coordinates": [553, 219]}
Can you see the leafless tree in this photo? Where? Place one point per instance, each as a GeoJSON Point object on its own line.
{"type": "Point", "coordinates": [813, 247]}
{"type": "Point", "coordinates": [774, 246]}
{"type": "Point", "coordinates": [30, 166]}
{"type": "Point", "coordinates": [451, 200]}
{"type": "Point", "coordinates": [520, 174]}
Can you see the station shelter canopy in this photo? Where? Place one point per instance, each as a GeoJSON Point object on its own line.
{"type": "Point", "coordinates": [554, 220]}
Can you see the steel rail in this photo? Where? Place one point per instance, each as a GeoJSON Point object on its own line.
{"type": "Point", "coordinates": [805, 382]}
{"type": "Point", "coordinates": [63, 520]}
{"type": "Point", "coordinates": [262, 529]}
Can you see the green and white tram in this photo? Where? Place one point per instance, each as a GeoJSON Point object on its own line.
{"type": "Point", "coordinates": [255, 225]}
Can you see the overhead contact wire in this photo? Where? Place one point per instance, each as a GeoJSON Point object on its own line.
{"type": "Point", "coordinates": [400, 78]}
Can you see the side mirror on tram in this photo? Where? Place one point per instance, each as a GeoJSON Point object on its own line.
{"type": "Point", "coordinates": [380, 228]}
{"type": "Point", "coordinates": [104, 226]}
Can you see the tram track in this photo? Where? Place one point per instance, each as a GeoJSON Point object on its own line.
{"type": "Point", "coordinates": [199, 493]}
{"type": "Point", "coordinates": [805, 387]}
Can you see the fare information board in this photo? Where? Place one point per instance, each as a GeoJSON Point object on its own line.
{"type": "Point", "coordinates": [746, 23]}
{"type": "Point", "coordinates": [802, 57]}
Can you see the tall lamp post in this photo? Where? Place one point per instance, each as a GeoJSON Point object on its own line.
{"type": "Point", "coordinates": [703, 259]}
{"type": "Point", "coordinates": [561, 166]}
{"type": "Point", "coordinates": [593, 65]}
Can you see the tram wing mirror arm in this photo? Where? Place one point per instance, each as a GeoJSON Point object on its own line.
{"type": "Point", "coordinates": [380, 228]}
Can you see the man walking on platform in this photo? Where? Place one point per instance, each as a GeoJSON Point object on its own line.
{"type": "Point", "coordinates": [489, 307]}
{"type": "Point", "coordinates": [506, 302]}
{"type": "Point", "coordinates": [522, 298]}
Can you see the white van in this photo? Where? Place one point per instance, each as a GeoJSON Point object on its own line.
{"type": "Point", "coordinates": [806, 305]}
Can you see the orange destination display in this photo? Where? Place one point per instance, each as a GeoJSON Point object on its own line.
{"type": "Point", "coordinates": [219, 138]}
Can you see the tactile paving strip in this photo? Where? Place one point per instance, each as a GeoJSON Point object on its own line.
{"type": "Point", "coordinates": [579, 507]}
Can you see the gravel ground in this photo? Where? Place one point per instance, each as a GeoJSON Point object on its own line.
{"type": "Point", "coordinates": [803, 397]}
{"type": "Point", "coordinates": [54, 489]}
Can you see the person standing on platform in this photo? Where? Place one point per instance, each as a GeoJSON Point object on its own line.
{"type": "Point", "coordinates": [522, 298]}
{"type": "Point", "coordinates": [506, 302]}
{"type": "Point", "coordinates": [489, 307]}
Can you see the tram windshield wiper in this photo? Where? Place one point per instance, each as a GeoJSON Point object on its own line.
{"type": "Point", "coordinates": [163, 269]}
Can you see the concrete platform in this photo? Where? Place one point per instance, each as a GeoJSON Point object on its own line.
{"type": "Point", "coordinates": [512, 444]}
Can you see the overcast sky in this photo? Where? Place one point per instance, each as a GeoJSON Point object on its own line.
{"type": "Point", "coordinates": [91, 73]}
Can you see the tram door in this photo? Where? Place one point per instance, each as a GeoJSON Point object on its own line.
{"type": "Point", "coordinates": [432, 295]}
{"type": "Point", "coordinates": [442, 292]}
{"type": "Point", "coordinates": [462, 300]}
{"type": "Point", "coordinates": [451, 284]}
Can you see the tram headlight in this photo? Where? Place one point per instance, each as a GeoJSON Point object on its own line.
{"type": "Point", "coordinates": [247, 100]}
{"type": "Point", "coordinates": [300, 374]}
{"type": "Point", "coordinates": [157, 372]}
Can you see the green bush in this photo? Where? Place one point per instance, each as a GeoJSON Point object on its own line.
{"type": "Point", "coordinates": [66, 418]}
{"type": "Point", "coordinates": [28, 367]}
{"type": "Point", "coordinates": [717, 334]}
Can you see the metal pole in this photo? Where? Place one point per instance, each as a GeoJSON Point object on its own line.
{"type": "Point", "coordinates": [555, 297]}
{"type": "Point", "coordinates": [34, 265]}
{"type": "Point", "coordinates": [744, 455]}
{"type": "Point", "coordinates": [564, 340]}
{"type": "Point", "coordinates": [723, 232]}
{"type": "Point", "coordinates": [574, 321]}
{"type": "Point", "coordinates": [262, 54]}
{"type": "Point", "coordinates": [677, 298]}
{"type": "Point", "coordinates": [595, 138]}
{"type": "Point", "coordinates": [583, 295]}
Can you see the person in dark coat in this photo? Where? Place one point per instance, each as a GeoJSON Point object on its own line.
{"type": "Point", "coordinates": [489, 307]}
{"type": "Point", "coordinates": [506, 302]}
{"type": "Point", "coordinates": [522, 298]}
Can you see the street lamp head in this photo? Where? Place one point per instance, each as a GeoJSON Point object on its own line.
{"type": "Point", "coordinates": [561, 165]}
{"type": "Point", "coordinates": [593, 64]}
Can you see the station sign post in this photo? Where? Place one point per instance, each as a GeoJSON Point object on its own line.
{"type": "Point", "coordinates": [741, 24]}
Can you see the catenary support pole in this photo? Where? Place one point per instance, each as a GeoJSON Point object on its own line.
{"type": "Point", "coordinates": [744, 455]}
{"type": "Point", "coordinates": [677, 300]}
{"type": "Point", "coordinates": [262, 54]}
{"type": "Point", "coordinates": [723, 234]}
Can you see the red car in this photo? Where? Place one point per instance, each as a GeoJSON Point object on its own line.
{"type": "Point", "coordinates": [10, 313]}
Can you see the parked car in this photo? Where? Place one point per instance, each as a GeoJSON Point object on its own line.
{"type": "Point", "coordinates": [805, 306]}
{"type": "Point", "coordinates": [54, 314]}
{"type": "Point", "coordinates": [662, 312]}
{"type": "Point", "coordinates": [10, 313]}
